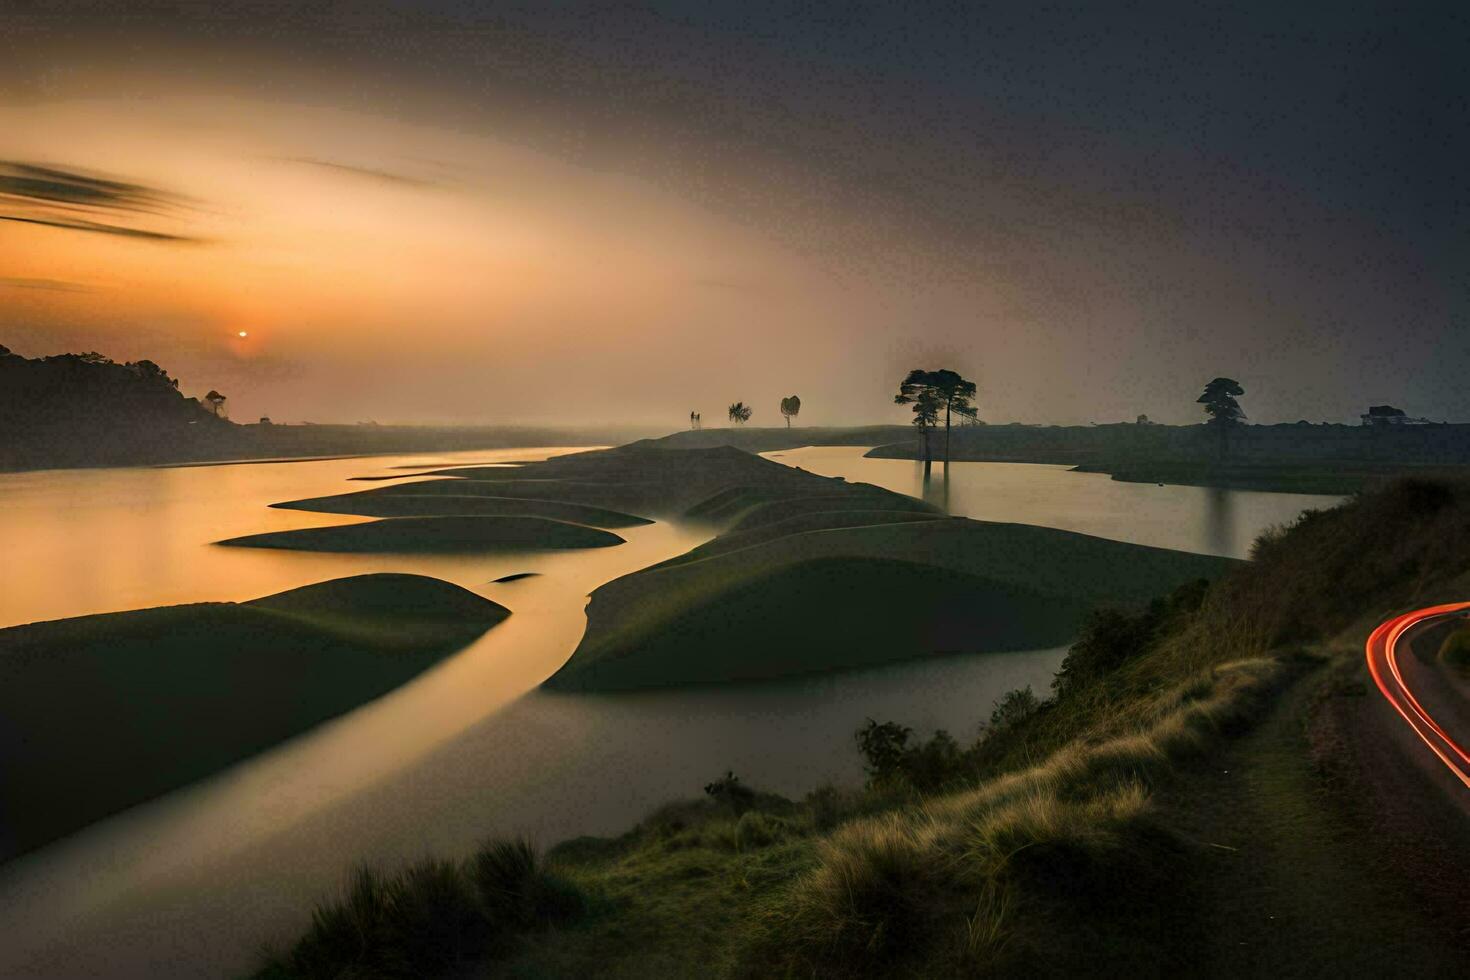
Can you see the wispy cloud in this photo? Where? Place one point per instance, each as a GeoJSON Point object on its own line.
{"type": "Point", "coordinates": [367, 173]}
{"type": "Point", "coordinates": [37, 194]}
{"type": "Point", "coordinates": [102, 229]}
{"type": "Point", "coordinates": [55, 285]}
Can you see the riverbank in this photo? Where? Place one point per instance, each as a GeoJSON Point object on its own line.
{"type": "Point", "coordinates": [1295, 458]}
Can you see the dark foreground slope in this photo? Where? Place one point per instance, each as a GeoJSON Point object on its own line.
{"type": "Point", "coordinates": [101, 712]}
{"type": "Point", "coordinates": [1172, 809]}
{"type": "Point", "coordinates": [746, 606]}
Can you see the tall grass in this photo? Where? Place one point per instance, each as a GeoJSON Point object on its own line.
{"type": "Point", "coordinates": [974, 880]}
{"type": "Point", "coordinates": [430, 918]}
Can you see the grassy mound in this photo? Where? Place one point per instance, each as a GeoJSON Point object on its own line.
{"type": "Point", "coordinates": [827, 520]}
{"type": "Point", "coordinates": [436, 534]}
{"type": "Point", "coordinates": [101, 712]}
{"type": "Point", "coordinates": [375, 503]}
{"type": "Point", "coordinates": [856, 497]}
{"type": "Point", "coordinates": [765, 602]}
{"type": "Point", "coordinates": [819, 614]}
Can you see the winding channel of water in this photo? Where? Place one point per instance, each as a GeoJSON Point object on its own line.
{"type": "Point", "coordinates": [192, 883]}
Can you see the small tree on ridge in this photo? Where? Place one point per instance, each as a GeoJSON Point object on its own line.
{"type": "Point", "coordinates": [790, 407]}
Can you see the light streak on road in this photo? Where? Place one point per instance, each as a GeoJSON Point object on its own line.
{"type": "Point", "coordinates": [1383, 664]}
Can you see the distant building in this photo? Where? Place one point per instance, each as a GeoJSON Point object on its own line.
{"type": "Point", "coordinates": [1145, 420]}
{"type": "Point", "coordinates": [1388, 415]}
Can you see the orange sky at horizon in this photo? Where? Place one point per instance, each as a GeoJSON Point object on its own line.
{"type": "Point", "coordinates": [343, 243]}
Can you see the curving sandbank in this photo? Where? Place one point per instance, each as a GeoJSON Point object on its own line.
{"type": "Point", "coordinates": [99, 713]}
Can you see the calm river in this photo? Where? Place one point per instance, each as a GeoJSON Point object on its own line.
{"type": "Point", "coordinates": [193, 883]}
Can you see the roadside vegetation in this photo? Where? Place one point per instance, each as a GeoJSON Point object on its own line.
{"type": "Point", "coordinates": [1062, 840]}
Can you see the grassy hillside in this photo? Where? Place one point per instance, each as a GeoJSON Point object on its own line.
{"type": "Point", "coordinates": [101, 712]}
{"type": "Point", "coordinates": [783, 598]}
{"type": "Point", "coordinates": [1160, 813]}
{"type": "Point", "coordinates": [813, 615]}
{"type": "Point", "coordinates": [437, 535]}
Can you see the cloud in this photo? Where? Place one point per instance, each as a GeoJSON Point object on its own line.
{"type": "Point", "coordinates": [103, 229]}
{"type": "Point", "coordinates": [69, 199]}
{"type": "Point", "coordinates": [367, 173]}
{"type": "Point", "coordinates": [55, 285]}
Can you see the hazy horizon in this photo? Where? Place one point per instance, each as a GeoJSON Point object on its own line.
{"type": "Point", "coordinates": [436, 214]}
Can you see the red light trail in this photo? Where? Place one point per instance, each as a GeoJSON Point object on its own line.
{"type": "Point", "coordinates": [1382, 652]}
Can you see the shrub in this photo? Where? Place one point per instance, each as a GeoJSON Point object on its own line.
{"type": "Point", "coordinates": [433, 923]}
{"type": "Point", "coordinates": [894, 762]}
{"type": "Point", "coordinates": [755, 830]}
{"type": "Point", "coordinates": [430, 918]}
{"type": "Point", "coordinates": [515, 890]}
{"type": "Point", "coordinates": [728, 791]}
{"type": "Point", "coordinates": [883, 747]}
{"type": "Point", "coordinates": [1013, 708]}
{"type": "Point", "coordinates": [870, 901]}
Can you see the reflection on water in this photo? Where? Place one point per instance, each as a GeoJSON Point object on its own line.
{"type": "Point", "coordinates": [192, 883]}
{"type": "Point", "coordinates": [1220, 520]}
{"type": "Point", "coordinates": [1201, 519]}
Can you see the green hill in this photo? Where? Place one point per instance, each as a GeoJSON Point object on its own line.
{"type": "Point", "coordinates": [435, 534]}
{"type": "Point", "coordinates": [748, 605]}
{"type": "Point", "coordinates": [101, 712]}
{"type": "Point", "coordinates": [373, 503]}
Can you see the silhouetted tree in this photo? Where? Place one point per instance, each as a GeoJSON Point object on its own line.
{"type": "Point", "coordinates": [947, 390]}
{"type": "Point", "coordinates": [216, 401]}
{"type": "Point", "coordinates": [740, 413]}
{"type": "Point", "coordinates": [926, 416]}
{"type": "Point", "coordinates": [151, 373]}
{"type": "Point", "coordinates": [790, 407]}
{"type": "Point", "coordinates": [1220, 405]}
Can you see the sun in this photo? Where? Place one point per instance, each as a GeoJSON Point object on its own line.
{"type": "Point", "coordinates": [243, 333]}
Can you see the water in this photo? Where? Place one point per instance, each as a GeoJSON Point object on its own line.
{"type": "Point", "coordinates": [192, 884]}
{"type": "Point", "coordinates": [1206, 520]}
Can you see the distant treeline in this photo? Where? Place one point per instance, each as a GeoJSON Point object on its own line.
{"type": "Point", "coordinates": [1435, 443]}
{"type": "Point", "coordinates": [73, 410]}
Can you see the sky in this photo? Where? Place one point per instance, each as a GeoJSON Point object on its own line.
{"type": "Point", "coordinates": [558, 213]}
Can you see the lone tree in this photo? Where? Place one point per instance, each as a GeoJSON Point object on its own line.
{"type": "Point", "coordinates": [948, 392]}
{"type": "Point", "coordinates": [790, 407]}
{"type": "Point", "coordinates": [216, 401]}
{"type": "Point", "coordinates": [740, 413]}
{"type": "Point", "coordinates": [1220, 405]}
{"type": "Point", "coordinates": [926, 416]}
